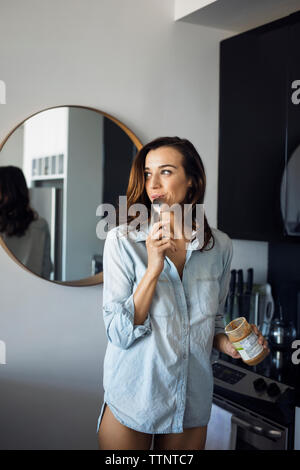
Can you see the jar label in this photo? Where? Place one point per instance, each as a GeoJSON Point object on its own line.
{"type": "Point", "coordinates": [248, 347]}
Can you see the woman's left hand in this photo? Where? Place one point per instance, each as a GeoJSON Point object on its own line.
{"type": "Point", "coordinates": [231, 351]}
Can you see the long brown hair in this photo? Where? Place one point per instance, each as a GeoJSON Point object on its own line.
{"type": "Point", "coordinates": [15, 211]}
{"type": "Point", "coordinates": [193, 167]}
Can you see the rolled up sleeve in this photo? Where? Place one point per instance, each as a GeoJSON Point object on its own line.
{"type": "Point", "coordinates": [118, 304]}
{"type": "Point", "coordinates": [224, 288]}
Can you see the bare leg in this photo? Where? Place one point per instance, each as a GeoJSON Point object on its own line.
{"type": "Point", "coordinates": [189, 439]}
{"type": "Point", "coordinates": [113, 435]}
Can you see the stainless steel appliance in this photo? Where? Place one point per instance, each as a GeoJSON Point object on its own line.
{"type": "Point", "coordinates": [261, 416]}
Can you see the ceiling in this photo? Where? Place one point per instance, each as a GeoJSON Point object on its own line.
{"type": "Point", "coordinates": [241, 15]}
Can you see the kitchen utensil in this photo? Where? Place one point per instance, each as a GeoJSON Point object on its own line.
{"type": "Point", "coordinates": [226, 309]}
{"type": "Point", "coordinates": [255, 308]}
{"type": "Point", "coordinates": [247, 294]}
{"type": "Point", "coordinates": [282, 332]}
{"type": "Point", "coordinates": [156, 205]}
{"type": "Point", "coordinates": [240, 290]}
{"type": "Point", "coordinates": [160, 208]}
{"type": "Point", "coordinates": [266, 309]}
{"type": "Point", "coordinates": [231, 295]}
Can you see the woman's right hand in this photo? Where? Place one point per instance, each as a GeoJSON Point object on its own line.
{"type": "Point", "coordinates": [156, 248]}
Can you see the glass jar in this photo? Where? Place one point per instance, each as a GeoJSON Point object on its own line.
{"type": "Point", "coordinates": [245, 341]}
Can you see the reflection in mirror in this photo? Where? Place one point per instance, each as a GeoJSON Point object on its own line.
{"type": "Point", "coordinates": [24, 232]}
{"type": "Point", "coordinates": [58, 166]}
{"type": "Point", "coordinates": [290, 195]}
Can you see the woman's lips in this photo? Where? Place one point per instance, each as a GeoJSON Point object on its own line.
{"type": "Point", "coordinates": [156, 196]}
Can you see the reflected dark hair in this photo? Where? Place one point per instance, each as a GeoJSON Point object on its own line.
{"type": "Point", "coordinates": [15, 211]}
{"type": "Point", "coordinates": [194, 169]}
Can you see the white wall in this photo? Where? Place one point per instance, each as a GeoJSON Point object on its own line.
{"type": "Point", "coordinates": [130, 59]}
{"type": "Point", "coordinates": [186, 7]}
{"type": "Point", "coordinates": [13, 151]}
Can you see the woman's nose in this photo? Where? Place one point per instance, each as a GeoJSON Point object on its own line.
{"type": "Point", "coordinates": [155, 182]}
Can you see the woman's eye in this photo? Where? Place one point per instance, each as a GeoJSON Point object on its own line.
{"type": "Point", "coordinates": [163, 171]}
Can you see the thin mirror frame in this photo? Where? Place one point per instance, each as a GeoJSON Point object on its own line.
{"type": "Point", "coordinates": [97, 278]}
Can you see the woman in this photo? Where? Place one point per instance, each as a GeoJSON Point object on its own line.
{"type": "Point", "coordinates": [24, 233]}
{"type": "Point", "coordinates": [163, 311]}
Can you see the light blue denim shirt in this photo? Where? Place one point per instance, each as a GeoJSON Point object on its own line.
{"type": "Point", "coordinates": [158, 375]}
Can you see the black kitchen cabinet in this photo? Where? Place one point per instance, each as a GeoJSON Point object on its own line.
{"type": "Point", "coordinates": [258, 128]}
{"type": "Point", "coordinates": [291, 183]}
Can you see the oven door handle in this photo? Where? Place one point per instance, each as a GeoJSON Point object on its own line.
{"type": "Point", "coordinates": [273, 434]}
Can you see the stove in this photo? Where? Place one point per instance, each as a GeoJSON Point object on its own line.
{"type": "Point", "coordinates": [247, 383]}
{"type": "Point", "coordinates": [262, 405]}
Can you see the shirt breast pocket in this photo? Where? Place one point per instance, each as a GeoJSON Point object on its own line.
{"type": "Point", "coordinates": [163, 301]}
{"type": "Point", "coordinates": [205, 298]}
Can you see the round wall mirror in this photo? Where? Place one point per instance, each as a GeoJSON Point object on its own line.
{"type": "Point", "coordinates": [56, 168]}
{"type": "Point", "coordinates": [290, 195]}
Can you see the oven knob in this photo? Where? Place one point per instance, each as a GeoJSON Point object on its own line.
{"type": "Point", "coordinates": [273, 389]}
{"type": "Point", "coordinates": [259, 385]}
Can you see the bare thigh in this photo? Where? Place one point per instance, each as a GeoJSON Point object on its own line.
{"type": "Point", "coordinates": [113, 435]}
{"type": "Point", "coordinates": [189, 439]}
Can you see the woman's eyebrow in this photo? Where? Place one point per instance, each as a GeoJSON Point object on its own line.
{"type": "Point", "coordinates": [161, 166]}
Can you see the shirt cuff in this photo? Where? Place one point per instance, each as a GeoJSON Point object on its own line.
{"type": "Point", "coordinates": [136, 330]}
{"type": "Point", "coordinates": [121, 329]}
